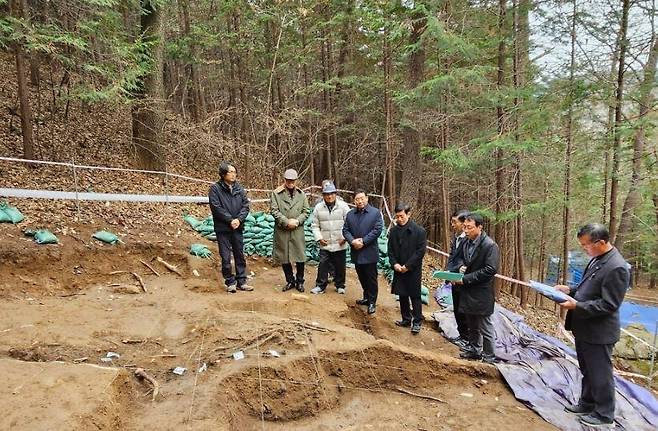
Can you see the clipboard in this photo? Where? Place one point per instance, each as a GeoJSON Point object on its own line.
{"type": "Point", "coordinates": [549, 291]}
{"type": "Point", "coordinates": [447, 275]}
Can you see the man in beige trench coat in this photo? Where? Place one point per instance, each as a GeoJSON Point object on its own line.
{"type": "Point", "coordinates": [290, 208]}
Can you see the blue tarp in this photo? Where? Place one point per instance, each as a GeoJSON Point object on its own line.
{"type": "Point", "coordinates": [543, 373]}
{"type": "Point", "coordinates": [647, 315]}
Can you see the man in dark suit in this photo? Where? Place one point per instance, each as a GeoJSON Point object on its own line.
{"type": "Point", "coordinates": [362, 227]}
{"type": "Point", "coordinates": [593, 317]}
{"type": "Point", "coordinates": [481, 260]}
{"type": "Point", "coordinates": [455, 261]}
{"type": "Point", "coordinates": [406, 248]}
{"type": "Point", "coordinates": [230, 207]}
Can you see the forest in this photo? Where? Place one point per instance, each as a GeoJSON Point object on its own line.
{"type": "Point", "coordinates": [540, 115]}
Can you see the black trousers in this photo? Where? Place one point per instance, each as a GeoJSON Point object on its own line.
{"type": "Point", "coordinates": [290, 277]}
{"type": "Point", "coordinates": [328, 259]}
{"type": "Point", "coordinates": [598, 384]}
{"type": "Point", "coordinates": [481, 334]}
{"type": "Point", "coordinates": [231, 245]}
{"type": "Point", "coordinates": [413, 313]}
{"type": "Point", "coordinates": [368, 278]}
{"type": "Point", "coordinates": [460, 318]}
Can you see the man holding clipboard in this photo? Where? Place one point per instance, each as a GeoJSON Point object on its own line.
{"type": "Point", "coordinates": [593, 317]}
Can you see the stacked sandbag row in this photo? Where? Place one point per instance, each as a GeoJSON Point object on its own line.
{"type": "Point", "coordinates": [259, 237]}
{"type": "Point", "coordinates": [258, 234]}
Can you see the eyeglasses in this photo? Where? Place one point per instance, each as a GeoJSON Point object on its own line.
{"type": "Point", "coordinates": [590, 244]}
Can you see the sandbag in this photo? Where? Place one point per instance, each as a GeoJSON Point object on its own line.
{"type": "Point", "coordinates": [106, 237]}
{"type": "Point", "coordinates": [205, 229]}
{"type": "Point", "coordinates": [11, 214]}
{"type": "Point", "coordinates": [4, 217]}
{"type": "Point", "coordinates": [192, 221]}
{"type": "Point", "coordinates": [200, 250]}
{"type": "Point", "coordinates": [44, 236]}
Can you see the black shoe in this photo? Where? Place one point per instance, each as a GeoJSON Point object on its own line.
{"type": "Point", "coordinates": [471, 355]}
{"type": "Point", "coordinates": [361, 302]}
{"type": "Point", "coordinates": [595, 421]}
{"type": "Point", "coordinates": [371, 309]}
{"type": "Point", "coordinates": [415, 329]}
{"type": "Point", "coordinates": [462, 344]}
{"type": "Point", "coordinates": [490, 359]}
{"type": "Point", "coordinates": [300, 286]}
{"type": "Point", "coordinates": [404, 323]}
{"type": "Point", "coordinates": [466, 347]}
{"type": "Point", "coordinates": [578, 409]}
{"type": "Point", "coordinates": [289, 285]}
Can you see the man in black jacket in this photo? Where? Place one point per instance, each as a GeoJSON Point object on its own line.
{"type": "Point", "coordinates": [455, 261]}
{"type": "Point", "coordinates": [593, 317]}
{"type": "Point", "coordinates": [406, 248]}
{"type": "Point", "coordinates": [481, 260]}
{"type": "Point", "coordinates": [230, 207]}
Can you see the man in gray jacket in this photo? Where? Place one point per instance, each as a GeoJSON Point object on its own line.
{"type": "Point", "coordinates": [593, 317]}
{"type": "Point", "coordinates": [327, 225]}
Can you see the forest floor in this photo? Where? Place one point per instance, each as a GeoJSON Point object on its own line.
{"type": "Point", "coordinates": [64, 307]}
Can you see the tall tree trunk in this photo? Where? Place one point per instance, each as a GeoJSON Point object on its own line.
{"type": "Point", "coordinates": [610, 135]}
{"type": "Point", "coordinates": [195, 97]}
{"type": "Point", "coordinates": [519, 65]}
{"type": "Point", "coordinates": [390, 159]}
{"type": "Point", "coordinates": [568, 137]}
{"type": "Point", "coordinates": [500, 227]}
{"type": "Point", "coordinates": [18, 11]}
{"type": "Point", "coordinates": [412, 173]}
{"type": "Point", "coordinates": [654, 270]}
{"type": "Point", "coordinates": [148, 108]}
{"type": "Point", "coordinates": [645, 102]}
{"type": "Point", "coordinates": [616, 149]}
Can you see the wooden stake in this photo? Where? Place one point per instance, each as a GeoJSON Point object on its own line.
{"type": "Point", "coordinates": [169, 266]}
{"type": "Point", "coordinates": [141, 282]}
{"type": "Point", "coordinates": [150, 267]}
{"type": "Point", "coordinates": [142, 375]}
{"type": "Point", "coordinates": [427, 397]}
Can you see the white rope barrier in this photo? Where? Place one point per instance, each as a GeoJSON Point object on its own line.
{"type": "Point", "coordinates": [103, 168]}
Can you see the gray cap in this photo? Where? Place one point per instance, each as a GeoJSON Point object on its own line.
{"type": "Point", "coordinates": [290, 174]}
{"type": "Point", "coordinates": [328, 187]}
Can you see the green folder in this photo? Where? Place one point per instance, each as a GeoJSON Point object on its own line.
{"type": "Point", "coordinates": [447, 275]}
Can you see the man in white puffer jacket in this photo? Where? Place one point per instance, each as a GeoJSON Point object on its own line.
{"type": "Point", "coordinates": [327, 224]}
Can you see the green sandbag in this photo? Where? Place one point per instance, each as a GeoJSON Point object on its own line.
{"type": "Point", "coordinates": [424, 291]}
{"type": "Point", "coordinates": [211, 237]}
{"type": "Point", "coordinates": [200, 250]}
{"type": "Point", "coordinates": [269, 218]}
{"type": "Point", "coordinates": [106, 237]}
{"type": "Point", "coordinates": [204, 229]}
{"type": "Point", "coordinates": [425, 300]}
{"type": "Point", "coordinates": [44, 236]}
{"type": "Point", "coordinates": [249, 219]}
{"type": "Point", "coordinates": [192, 221]}
{"type": "Point", "coordinates": [11, 214]}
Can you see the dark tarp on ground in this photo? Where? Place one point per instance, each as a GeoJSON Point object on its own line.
{"type": "Point", "coordinates": [543, 374]}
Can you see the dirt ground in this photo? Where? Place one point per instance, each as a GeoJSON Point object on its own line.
{"type": "Point", "coordinates": [64, 307]}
